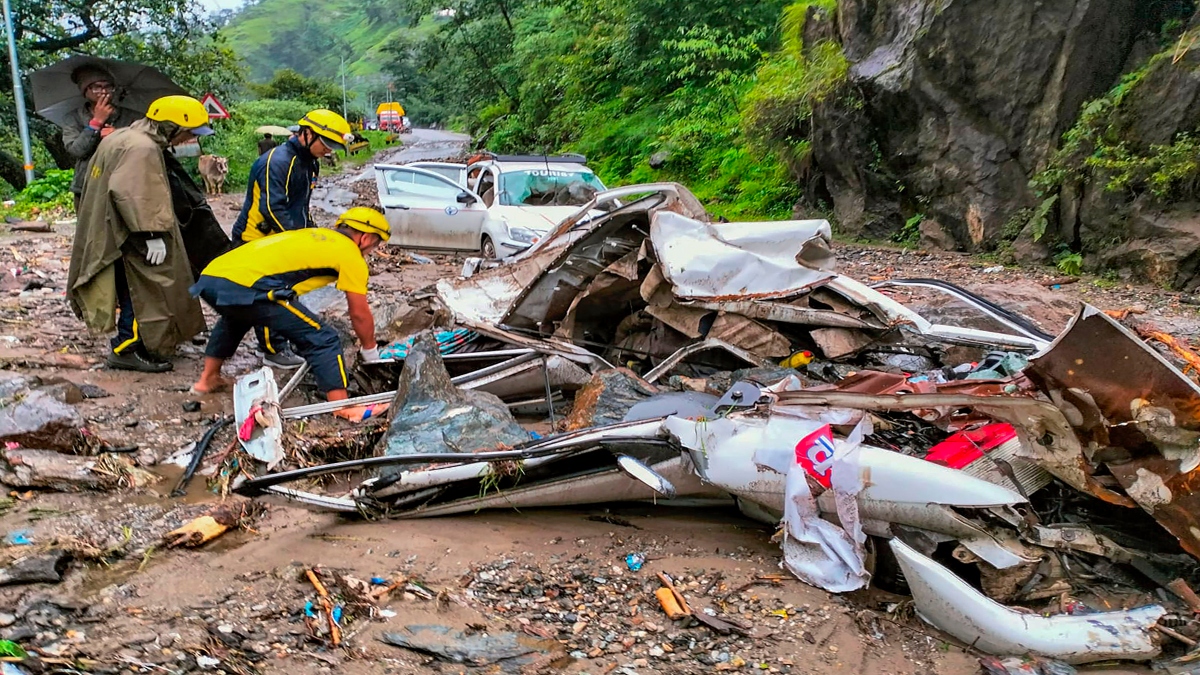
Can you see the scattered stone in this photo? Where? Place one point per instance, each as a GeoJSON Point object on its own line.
{"type": "Point", "coordinates": [91, 391]}
{"type": "Point", "coordinates": [46, 567]}
{"type": "Point", "coordinates": [39, 420]}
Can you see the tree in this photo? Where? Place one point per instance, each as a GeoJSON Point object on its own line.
{"type": "Point", "coordinates": [290, 85]}
{"type": "Point", "coordinates": [172, 35]}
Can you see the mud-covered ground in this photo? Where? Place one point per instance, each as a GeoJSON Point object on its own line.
{"type": "Point", "coordinates": [238, 605]}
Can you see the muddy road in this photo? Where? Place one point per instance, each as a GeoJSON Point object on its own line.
{"type": "Point", "coordinates": [128, 604]}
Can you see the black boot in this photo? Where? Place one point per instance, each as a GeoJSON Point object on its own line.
{"type": "Point", "coordinates": [137, 358]}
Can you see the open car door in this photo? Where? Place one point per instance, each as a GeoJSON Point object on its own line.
{"type": "Point", "coordinates": [427, 210]}
{"type": "Point", "coordinates": [457, 173]}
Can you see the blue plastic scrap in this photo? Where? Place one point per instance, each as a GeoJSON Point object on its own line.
{"type": "Point", "coordinates": [635, 561]}
{"type": "Point", "coordinates": [18, 538]}
{"type": "Point", "coordinates": [449, 342]}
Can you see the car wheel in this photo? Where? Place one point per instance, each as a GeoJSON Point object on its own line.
{"type": "Point", "coordinates": [487, 248]}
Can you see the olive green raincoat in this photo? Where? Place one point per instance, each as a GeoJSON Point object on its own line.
{"type": "Point", "coordinates": [127, 200]}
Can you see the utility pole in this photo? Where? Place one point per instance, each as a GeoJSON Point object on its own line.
{"type": "Point", "coordinates": [18, 94]}
{"type": "Point", "coordinates": [343, 84]}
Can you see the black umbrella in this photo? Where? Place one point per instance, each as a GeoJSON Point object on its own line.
{"type": "Point", "coordinates": [56, 96]}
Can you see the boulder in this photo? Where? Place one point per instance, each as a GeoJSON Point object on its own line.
{"type": "Point", "coordinates": [38, 419]}
{"type": "Point", "coordinates": [1163, 246]}
{"type": "Point", "coordinates": [955, 105]}
{"type": "Point", "coordinates": [429, 414]}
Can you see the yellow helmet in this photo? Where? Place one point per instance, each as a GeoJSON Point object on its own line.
{"type": "Point", "coordinates": [333, 129]}
{"type": "Point", "coordinates": [366, 219]}
{"type": "Point", "coordinates": [185, 111]}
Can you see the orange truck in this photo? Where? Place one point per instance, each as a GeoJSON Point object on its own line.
{"type": "Point", "coordinates": [392, 118]}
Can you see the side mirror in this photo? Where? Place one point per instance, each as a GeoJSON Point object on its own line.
{"type": "Point", "coordinates": [465, 198]}
{"type": "Point", "coordinates": [638, 471]}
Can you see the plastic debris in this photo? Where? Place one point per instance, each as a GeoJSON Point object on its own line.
{"type": "Point", "coordinates": [448, 342]}
{"type": "Point", "coordinates": [634, 561]}
{"type": "Point", "coordinates": [11, 650]}
{"type": "Point", "coordinates": [18, 538]}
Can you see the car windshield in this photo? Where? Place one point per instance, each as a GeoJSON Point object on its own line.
{"type": "Point", "coordinates": [548, 187]}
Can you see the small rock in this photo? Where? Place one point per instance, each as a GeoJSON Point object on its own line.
{"type": "Point", "coordinates": [7, 620]}
{"type": "Point", "coordinates": [141, 638]}
{"type": "Point", "coordinates": [191, 406]}
{"type": "Point", "coordinates": [207, 662]}
{"type": "Point", "coordinates": [93, 391]}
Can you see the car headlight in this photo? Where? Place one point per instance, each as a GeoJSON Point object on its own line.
{"type": "Point", "coordinates": [522, 234]}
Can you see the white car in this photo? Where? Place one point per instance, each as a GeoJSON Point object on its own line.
{"type": "Point", "coordinates": [498, 206]}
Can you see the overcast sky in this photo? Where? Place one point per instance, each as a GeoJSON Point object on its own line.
{"type": "Point", "coordinates": [213, 5]}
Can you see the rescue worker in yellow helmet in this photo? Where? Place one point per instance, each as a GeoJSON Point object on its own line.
{"type": "Point", "coordinates": [258, 285]}
{"type": "Point", "coordinates": [278, 194]}
{"type": "Point", "coordinates": [128, 258]}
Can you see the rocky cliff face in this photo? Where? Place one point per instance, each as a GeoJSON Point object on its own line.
{"type": "Point", "coordinates": [951, 107]}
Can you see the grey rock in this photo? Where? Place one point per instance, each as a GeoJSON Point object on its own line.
{"type": "Point", "coordinates": [39, 420]}
{"type": "Point", "coordinates": [431, 415]}
{"type": "Point", "coordinates": [47, 469]}
{"type": "Point", "coordinates": [959, 104]}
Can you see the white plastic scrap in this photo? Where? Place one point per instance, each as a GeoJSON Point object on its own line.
{"type": "Point", "coordinates": [817, 551]}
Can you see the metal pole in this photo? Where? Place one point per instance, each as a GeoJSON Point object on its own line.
{"type": "Point", "coordinates": [343, 84]}
{"type": "Point", "coordinates": [18, 94]}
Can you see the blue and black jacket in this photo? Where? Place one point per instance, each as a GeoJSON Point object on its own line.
{"type": "Point", "coordinates": [281, 184]}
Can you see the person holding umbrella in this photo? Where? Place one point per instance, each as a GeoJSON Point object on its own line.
{"type": "Point", "coordinates": [266, 143]}
{"type": "Point", "coordinates": [89, 97]}
{"type": "Point", "coordinates": [92, 121]}
{"type": "Point", "coordinates": [128, 252]}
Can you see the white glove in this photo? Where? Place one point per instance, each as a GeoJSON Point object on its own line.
{"type": "Point", "coordinates": [367, 355]}
{"type": "Point", "coordinates": [156, 251]}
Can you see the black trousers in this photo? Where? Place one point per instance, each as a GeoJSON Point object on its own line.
{"type": "Point", "coordinates": [292, 321]}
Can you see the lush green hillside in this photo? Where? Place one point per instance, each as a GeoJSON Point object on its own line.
{"type": "Point", "coordinates": [311, 38]}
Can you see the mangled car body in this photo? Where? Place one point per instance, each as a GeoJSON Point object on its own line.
{"type": "Point", "coordinates": [730, 362]}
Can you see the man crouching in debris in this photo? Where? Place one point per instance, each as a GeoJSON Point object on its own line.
{"type": "Point", "coordinates": [257, 284]}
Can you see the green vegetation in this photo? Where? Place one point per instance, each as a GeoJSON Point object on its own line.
{"type": "Point", "coordinates": [288, 85]}
{"type": "Point", "coordinates": [311, 38]}
{"type": "Point", "coordinates": [718, 96]}
{"type": "Point", "coordinates": [236, 139]}
{"type": "Point", "coordinates": [910, 235]}
{"type": "Point", "coordinates": [1069, 262]}
{"type": "Point", "coordinates": [44, 197]}
{"type": "Point", "coordinates": [173, 35]}
{"type": "Point", "coordinates": [1096, 145]}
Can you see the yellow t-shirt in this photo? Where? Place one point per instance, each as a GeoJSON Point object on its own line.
{"type": "Point", "coordinates": [302, 260]}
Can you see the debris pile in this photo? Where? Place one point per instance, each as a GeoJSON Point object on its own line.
{"type": "Point", "coordinates": [702, 361]}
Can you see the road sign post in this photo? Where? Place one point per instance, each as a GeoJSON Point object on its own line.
{"type": "Point", "coordinates": [216, 109]}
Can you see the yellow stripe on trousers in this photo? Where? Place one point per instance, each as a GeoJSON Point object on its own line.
{"type": "Point", "coordinates": [128, 343]}
{"type": "Point", "coordinates": [342, 369]}
{"type": "Point", "coordinates": [303, 317]}
{"type": "Point", "coordinates": [267, 340]}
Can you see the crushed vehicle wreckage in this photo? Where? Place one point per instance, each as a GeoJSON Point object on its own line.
{"type": "Point", "coordinates": [974, 466]}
